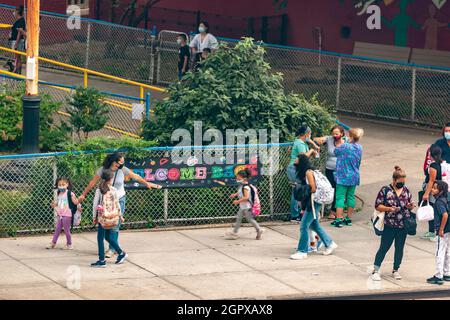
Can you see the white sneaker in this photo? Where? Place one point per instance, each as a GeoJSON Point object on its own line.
{"type": "Point", "coordinates": [376, 276]}
{"type": "Point", "coordinates": [260, 233]}
{"type": "Point", "coordinates": [231, 236]}
{"type": "Point", "coordinates": [330, 249]}
{"type": "Point", "coordinates": [51, 245]}
{"type": "Point", "coordinates": [433, 239]}
{"type": "Point", "coordinates": [109, 254]}
{"type": "Point", "coordinates": [396, 275]}
{"type": "Point", "coordinates": [299, 256]}
{"type": "Point", "coordinates": [67, 247]}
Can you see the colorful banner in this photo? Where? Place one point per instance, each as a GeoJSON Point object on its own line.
{"type": "Point", "coordinates": [164, 172]}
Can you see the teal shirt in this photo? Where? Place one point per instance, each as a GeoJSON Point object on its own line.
{"type": "Point", "coordinates": [299, 147]}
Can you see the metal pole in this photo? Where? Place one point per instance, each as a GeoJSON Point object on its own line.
{"type": "Point", "coordinates": [166, 205]}
{"type": "Point", "coordinates": [339, 77]}
{"type": "Point", "coordinates": [88, 44]}
{"type": "Point", "coordinates": [413, 95]}
{"type": "Point", "coordinates": [271, 184]}
{"type": "Point", "coordinates": [31, 100]}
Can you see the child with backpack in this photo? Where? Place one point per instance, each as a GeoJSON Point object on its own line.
{"type": "Point", "coordinates": [107, 213]}
{"type": "Point", "coordinates": [65, 208]}
{"type": "Point", "coordinates": [249, 206]}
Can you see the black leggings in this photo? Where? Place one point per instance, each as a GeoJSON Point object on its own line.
{"type": "Point", "coordinates": [330, 176]}
{"type": "Point", "coordinates": [389, 236]}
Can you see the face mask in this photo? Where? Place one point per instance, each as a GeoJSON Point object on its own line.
{"type": "Point", "coordinates": [447, 135]}
{"type": "Point", "coordinates": [201, 29]}
{"type": "Point", "coordinates": [337, 138]}
{"type": "Point", "coordinates": [121, 166]}
{"type": "Point", "coordinates": [179, 42]}
{"type": "Point", "coordinates": [240, 181]}
{"type": "Point", "coordinates": [400, 185]}
{"type": "Point", "coordinates": [61, 190]}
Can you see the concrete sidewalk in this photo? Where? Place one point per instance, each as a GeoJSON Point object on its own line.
{"type": "Point", "coordinates": [200, 264]}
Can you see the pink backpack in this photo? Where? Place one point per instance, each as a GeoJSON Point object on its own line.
{"type": "Point", "coordinates": [256, 204]}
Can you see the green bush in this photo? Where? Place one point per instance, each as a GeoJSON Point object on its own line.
{"type": "Point", "coordinates": [235, 88]}
{"type": "Point", "coordinates": [11, 114]}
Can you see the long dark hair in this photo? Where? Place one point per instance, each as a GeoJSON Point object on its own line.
{"type": "Point", "coordinates": [111, 158]}
{"type": "Point", "coordinates": [107, 176]}
{"type": "Point", "coordinates": [64, 179]}
{"type": "Point", "coordinates": [436, 153]}
{"type": "Point", "coordinates": [303, 166]}
{"type": "Point", "coordinates": [246, 174]}
{"type": "Point", "coordinates": [206, 24]}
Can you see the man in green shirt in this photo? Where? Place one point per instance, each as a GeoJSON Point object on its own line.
{"type": "Point", "coordinates": [301, 145]}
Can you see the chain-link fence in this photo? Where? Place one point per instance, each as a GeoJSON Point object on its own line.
{"type": "Point", "coordinates": [366, 87]}
{"type": "Point", "coordinates": [120, 116]}
{"type": "Point", "coordinates": [27, 191]}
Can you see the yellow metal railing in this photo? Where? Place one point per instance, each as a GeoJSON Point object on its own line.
{"type": "Point", "coordinates": [114, 103]}
{"type": "Point", "coordinates": [5, 26]}
{"type": "Point", "coordinates": [87, 72]}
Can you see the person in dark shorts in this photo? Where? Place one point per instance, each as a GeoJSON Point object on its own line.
{"type": "Point", "coordinates": [184, 56]}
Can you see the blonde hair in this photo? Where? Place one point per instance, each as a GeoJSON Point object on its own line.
{"type": "Point", "coordinates": [356, 134]}
{"type": "Point", "coordinates": [399, 173]}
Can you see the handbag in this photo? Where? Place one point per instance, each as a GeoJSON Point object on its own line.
{"type": "Point", "coordinates": [411, 224]}
{"type": "Point", "coordinates": [378, 219]}
{"type": "Point", "coordinates": [425, 213]}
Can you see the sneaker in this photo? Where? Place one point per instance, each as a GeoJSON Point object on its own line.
{"type": "Point", "coordinates": [433, 239]}
{"type": "Point", "coordinates": [396, 275]}
{"type": "Point", "coordinates": [109, 254]}
{"type": "Point", "coordinates": [376, 276]}
{"type": "Point", "coordinates": [312, 249]}
{"type": "Point", "coordinates": [51, 245]}
{"type": "Point", "coordinates": [330, 249]}
{"type": "Point", "coordinates": [348, 222]}
{"type": "Point", "coordinates": [296, 220]}
{"type": "Point", "coordinates": [231, 236]}
{"type": "Point", "coordinates": [337, 223]}
{"type": "Point", "coordinates": [99, 264]}
{"type": "Point", "coordinates": [446, 278]}
{"type": "Point", "coordinates": [299, 256]}
{"type": "Point", "coordinates": [435, 280]}
{"type": "Point", "coordinates": [428, 235]}
{"type": "Point", "coordinates": [121, 258]}
{"type": "Point", "coordinates": [320, 245]}
{"type": "Point", "coordinates": [259, 234]}
{"type": "Point", "coordinates": [68, 247]}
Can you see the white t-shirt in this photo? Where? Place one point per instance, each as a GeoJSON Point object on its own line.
{"type": "Point", "coordinates": [119, 180]}
{"type": "Point", "coordinates": [244, 205]}
{"type": "Point", "coordinates": [209, 42]}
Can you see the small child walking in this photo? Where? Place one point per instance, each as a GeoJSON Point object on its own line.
{"type": "Point", "coordinates": [245, 206]}
{"type": "Point", "coordinates": [106, 213]}
{"type": "Point", "coordinates": [442, 224]}
{"type": "Point", "coordinates": [63, 212]}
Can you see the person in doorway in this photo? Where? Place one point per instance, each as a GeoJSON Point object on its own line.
{"type": "Point", "coordinates": [305, 175]}
{"type": "Point", "coordinates": [433, 174]}
{"type": "Point", "coordinates": [395, 200]}
{"type": "Point", "coordinates": [202, 41]}
{"type": "Point", "coordinates": [335, 140]}
{"type": "Point", "coordinates": [301, 145]}
{"type": "Point", "coordinates": [184, 55]}
{"type": "Point", "coordinates": [441, 211]}
{"type": "Point", "coordinates": [116, 163]}
{"type": "Point", "coordinates": [347, 176]}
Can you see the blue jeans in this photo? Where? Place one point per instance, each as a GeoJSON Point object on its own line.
{"type": "Point", "coordinates": [292, 177]}
{"type": "Point", "coordinates": [108, 235]}
{"type": "Point", "coordinates": [115, 231]}
{"type": "Point", "coordinates": [308, 222]}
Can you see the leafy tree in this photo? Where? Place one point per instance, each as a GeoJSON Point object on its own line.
{"type": "Point", "coordinates": [11, 117]}
{"type": "Point", "coordinates": [235, 88]}
{"type": "Point", "coordinates": [87, 111]}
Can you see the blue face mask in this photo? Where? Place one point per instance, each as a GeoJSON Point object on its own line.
{"type": "Point", "coordinates": [61, 190]}
{"type": "Point", "coordinates": [201, 29]}
{"type": "Point", "coordinates": [447, 135]}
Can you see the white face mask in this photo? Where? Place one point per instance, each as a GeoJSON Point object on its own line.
{"type": "Point", "coordinates": [179, 41]}
{"type": "Point", "coordinates": [201, 29]}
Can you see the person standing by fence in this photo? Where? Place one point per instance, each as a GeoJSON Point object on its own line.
{"type": "Point", "coordinates": [301, 145]}
{"type": "Point", "coordinates": [202, 41]}
{"type": "Point", "coordinates": [116, 163]}
{"type": "Point", "coordinates": [347, 175]}
{"type": "Point", "coordinates": [335, 140]}
{"type": "Point", "coordinates": [395, 200]}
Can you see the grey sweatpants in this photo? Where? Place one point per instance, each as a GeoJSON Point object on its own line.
{"type": "Point", "coordinates": [443, 256]}
{"type": "Point", "coordinates": [249, 216]}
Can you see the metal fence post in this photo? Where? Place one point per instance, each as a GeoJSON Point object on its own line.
{"type": "Point", "coordinates": [148, 105]}
{"type": "Point", "coordinates": [88, 45]}
{"type": "Point", "coordinates": [271, 173]}
{"type": "Point", "coordinates": [166, 205]}
{"type": "Point", "coordinates": [413, 95]}
{"type": "Point", "coordinates": [338, 89]}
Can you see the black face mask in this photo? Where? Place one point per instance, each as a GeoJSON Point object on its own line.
{"type": "Point", "coordinates": [400, 185]}
{"type": "Point", "coordinates": [121, 166]}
